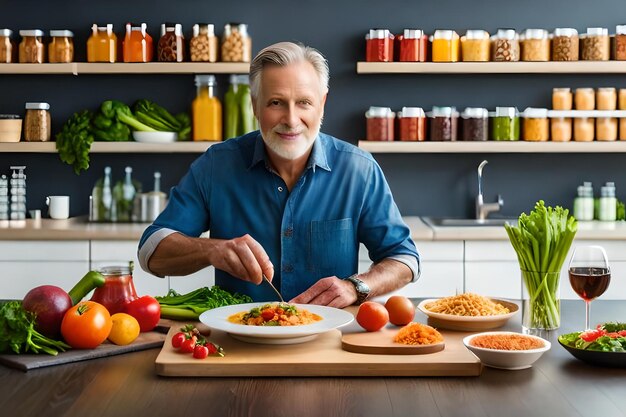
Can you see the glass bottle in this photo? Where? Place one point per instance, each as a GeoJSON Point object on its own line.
{"type": "Point", "coordinates": [31, 49]}
{"type": "Point", "coordinates": [61, 48]}
{"type": "Point", "coordinates": [118, 289]}
{"type": "Point", "coordinates": [608, 203]}
{"type": "Point", "coordinates": [171, 46]}
{"type": "Point", "coordinates": [137, 45]}
{"type": "Point", "coordinates": [206, 110]}
{"type": "Point", "coordinates": [102, 44]}
{"type": "Point", "coordinates": [505, 124]}
{"type": "Point", "coordinates": [106, 202]}
{"type": "Point", "coordinates": [157, 199]}
{"type": "Point", "coordinates": [124, 194]}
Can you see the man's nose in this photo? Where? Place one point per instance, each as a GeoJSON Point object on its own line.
{"type": "Point", "coordinates": [291, 118]}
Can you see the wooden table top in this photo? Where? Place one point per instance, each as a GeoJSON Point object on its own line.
{"type": "Point", "coordinates": [127, 385]}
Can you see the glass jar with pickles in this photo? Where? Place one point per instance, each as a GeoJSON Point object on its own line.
{"type": "Point", "coordinates": [137, 45]}
{"type": "Point", "coordinates": [535, 45]}
{"type": "Point", "coordinates": [475, 46]}
{"type": "Point", "coordinates": [505, 124]}
{"type": "Point", "coordinates": [8, 52]}
{"type": "Point", "coordinates": [445, 46]}
{"type": "Point", "coordinates": [102, 44]}
{"type": "Point", "coordinates": [171, 46]}
{"type": "Point", "coordinates": [236, 43]}
{"type": "Point", "coordinates": [61, 47]}
{"type": "Point", "coordinates": [505, 46]}
{"type": "Point", "coordinates": [32, 49]}
{"type": "Point", "coordinates": [203, 44]}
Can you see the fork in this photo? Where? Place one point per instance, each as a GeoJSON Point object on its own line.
{"type": "Point", "coordinates": [274, 288]}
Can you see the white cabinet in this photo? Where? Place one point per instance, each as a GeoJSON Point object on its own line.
{"type": "Point", "coordinates": [27, 264]}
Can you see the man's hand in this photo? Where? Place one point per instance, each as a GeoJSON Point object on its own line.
{"type": "Point", "coordinates": [242, 257]}
{"type": "Point", "coordinates": [331, 291]}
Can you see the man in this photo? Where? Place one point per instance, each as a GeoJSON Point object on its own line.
{"type": "Point", "coordinates": [287, 202]}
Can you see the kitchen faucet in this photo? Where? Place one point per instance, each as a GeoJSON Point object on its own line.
{"type": "Point", "coordinates": [482, 209]}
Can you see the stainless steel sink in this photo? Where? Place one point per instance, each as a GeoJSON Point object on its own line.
{"type": "Point", "coordinates": [455, 222]}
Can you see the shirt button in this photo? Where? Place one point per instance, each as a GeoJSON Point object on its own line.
{"type": "Point", "coordinates": [288, 232]}
{"type": "Point", "coordinates": [288, 268]}
{"type": "Point", "coordinates": [280, 189]}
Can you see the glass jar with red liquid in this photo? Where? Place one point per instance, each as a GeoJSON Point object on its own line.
{"type": "Point", "coordinates": [413, 46]}
{"type": "Point", "coordinates": [379, 46]}
{"type": "Point", "coordinates": [118, 289]}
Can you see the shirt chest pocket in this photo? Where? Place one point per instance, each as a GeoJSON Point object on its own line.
{"type": "Point", "coordinates": [332, 249]}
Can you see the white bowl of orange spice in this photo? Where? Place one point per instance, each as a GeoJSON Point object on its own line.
{"type": "Point", "coordinates": [506, 350]}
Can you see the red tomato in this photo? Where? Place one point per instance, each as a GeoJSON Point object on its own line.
{"type": "Point", "coordinates": [188, 345]}
{"type": "Point", "coordinates": [267, 314]}
{"type": "Point", "coordinates": [591, 335]}
{"type": "Point", "coordinates": [178, 339]}
{"type": "Point", "coordinates": [86, 325]}
{"type": "Point", "coordinates": [401, 310]}
{"type": "Point", "coordinates": [200, 352]}
{"type": "Point", "coordinates": [146, 310]}
{"type": "Point", "coordinates": [372, 316]}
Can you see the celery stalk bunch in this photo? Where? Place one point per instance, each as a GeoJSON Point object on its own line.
{"type": "Point", "coordinates": [541, 241]}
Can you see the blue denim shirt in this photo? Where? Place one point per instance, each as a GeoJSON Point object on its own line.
{"type": "Point", "coordinates": [312, 232]}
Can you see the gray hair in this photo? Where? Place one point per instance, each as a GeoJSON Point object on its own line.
{"type": "Point", "coordinates": [283, 54]}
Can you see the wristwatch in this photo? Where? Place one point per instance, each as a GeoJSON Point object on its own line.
{"type": "Point", "coordinates": [362, 289]}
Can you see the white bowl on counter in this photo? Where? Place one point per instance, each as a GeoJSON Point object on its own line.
{"type": "Point", "coordinates": [507, 359]}
{"type": "Point", "coordinates": [155, 137]}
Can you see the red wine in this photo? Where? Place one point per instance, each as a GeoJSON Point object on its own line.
{"type": "Point", "coordinates": [589, 282]}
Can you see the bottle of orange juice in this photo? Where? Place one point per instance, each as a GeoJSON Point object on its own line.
{"type": "Point", "coordinates": [102, 44]}
{"type": "Point", "coordinates": [206, 110]}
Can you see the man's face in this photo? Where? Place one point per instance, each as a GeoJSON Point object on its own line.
{"type": "Point", "coordinates": [289, 108]}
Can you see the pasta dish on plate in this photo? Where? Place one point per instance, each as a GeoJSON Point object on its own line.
{"type": "Point", "coordinates": [276, 314]}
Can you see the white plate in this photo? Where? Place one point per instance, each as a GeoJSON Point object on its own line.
{"type": "Point", "coordinates": [507, 359]}
{"type": "Point", "coordinates": [155, 137]}
{"type": "Point", "coordinates": [332, 318]}
{"type": "Point", "coordinates": [468, 323]}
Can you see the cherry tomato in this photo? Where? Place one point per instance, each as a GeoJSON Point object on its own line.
{"type": "Point", "coordinates": [267, 314]}
{"type": "Point", "coordinates": [188, 345]}
{"type": "Point", "coordinates": [146, 310]}
{"type": "Point", "coordinates": [622, 332]}
{"type": "Point", "coordinates": [372, 316]}
{"type": "Point", "coordinates": [401, 310]}
{"type": "Point", "coordinates": [178, 339]}
{"type": "Point", "coordinates": [200, 352]}
{"type": "Point", "coordinates": [211, 348]}
{"type": "Point", "coordinates": [591, 335]}
{"type": "Point", "coordinates": [86, 325]}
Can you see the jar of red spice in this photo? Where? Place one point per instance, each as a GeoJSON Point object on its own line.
{"type": "Point", "coordinates": [118, 289]}
{"type": "Point", "coordinates": [412, 124]}
{"type": "Point", "coordinates": [413, 46]}
{"type": "Point", "coordinates": [380, 123]}
{"type": "Point", "coordinates": [443, 123]}
{"type": "Point", "coordinates": [379, 46]}
{"type": "Point", "coordinates": [620, 43]}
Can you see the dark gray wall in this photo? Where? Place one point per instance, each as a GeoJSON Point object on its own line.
{"type": "Point", "coordinates": [423, 184]}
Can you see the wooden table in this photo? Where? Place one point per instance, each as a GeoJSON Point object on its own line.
{"type": "Point", "coordinates": [127, 385]}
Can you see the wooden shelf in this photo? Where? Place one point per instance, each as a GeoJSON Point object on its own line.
{"type": "Point", "coordinates": [80, 68]}
{"type": "Point", "coordinates": [493, 147]}
{"type": "Point", "coordinates": [112, 147]}
{"type": "Point", "coordinates": [571, 67]}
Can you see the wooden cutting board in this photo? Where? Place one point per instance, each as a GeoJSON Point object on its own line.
{"type": "Point", "coordinates": [381, 343]}
{"type": "Point", "coordinates": [322, 356]}
{"type": "Point", "coordinates": [27, 362]}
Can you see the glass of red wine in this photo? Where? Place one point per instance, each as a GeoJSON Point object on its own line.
{"type": "Point", "coordinates": [589, 274]}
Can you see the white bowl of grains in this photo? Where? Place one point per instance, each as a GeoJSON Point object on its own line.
{"type": "Point", "coordinates": [506, 350]}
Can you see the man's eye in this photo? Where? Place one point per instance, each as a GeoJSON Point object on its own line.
{"type": "Point", "coordinates": [274, 103]}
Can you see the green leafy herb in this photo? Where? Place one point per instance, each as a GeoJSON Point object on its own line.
{"type": "Point", "coordinates": [18, 334]}
{"type": "Point", "coordinates": [74, 141]}
{"type": "Point", "coordinates": [189, 306]}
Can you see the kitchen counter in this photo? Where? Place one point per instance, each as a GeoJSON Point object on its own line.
{"type": "Point", "coordinates": [78, 228]}
{"type": "Point", "coordinates": [127, 385]}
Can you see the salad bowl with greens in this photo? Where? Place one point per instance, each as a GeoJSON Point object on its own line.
{"type": "Point", "coordinates": [604, 346]}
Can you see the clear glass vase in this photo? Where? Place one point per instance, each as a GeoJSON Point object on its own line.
{"type": "Point", "coordinates": [541, 301]}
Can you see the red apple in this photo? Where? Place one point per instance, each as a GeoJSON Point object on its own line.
{"type": "Point", "coordinates": [49, 303]}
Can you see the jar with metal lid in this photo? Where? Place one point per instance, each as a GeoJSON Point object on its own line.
{"type": "Point", "coordinates": [584, 99]}
{"type": "Point", "coordinates": [565, 44]}
{"type": "Point", "coordinates": [137, 45]}
{"type": "Point", "coordinates": [536, 127]}
{"type": "Point", "coordinates": [7, 47]}
{"type": "Point", "coordinates": [475, 46]}
{"type": "Point", "coordinates": [561, 98]}
{"type": "Point", "coordinates": [505, 46]}
{"type": "Point", "coordinates": [413, 45]}
{"type": "Point", "coordinates": [102, 44]}
{"type": "Point", "coordinates": [171, 46]}
{"type": "Point", "coordinates": [535, 45]}
{"type": "Point", "coordinates": [606, 98]}
{"type": "Point", "coordinates": [32, 50]}
{"type": "Point", "coordinates": [445, 46]}
{"type": "Point", "coordinates": [561, 129]}
{"type": "Point", "coordinates": [584, 129]}
{"type": "Point", "coordinates": [61, 47]}
{"type": "Point", "coordinates": [379, 45]}
{"type": "Point", "coordinates": [380, 124]}
{"type": "Point", "coordinates": [620, 43]}
{"type": "Point", "coordinates": [236, 43]}
{"type": "Point", "coordinates": [37, 122]}
{"type": "Point", "coordinates": [595, 45]}
{"type": "Point", "coordinates": [412, 124]}
{"type": "Point", "coordinates": [118, 289]}
{"type": "Point", "coordinates": [443, 124]}
{"type": "Point", "coordinates": [475, 124]}
{"type": "Point", "coordinates": [606, 129]}
{"type": "Point", "coordinates": [203, 43]}
{"type": "Point", "coordinates": [505, 124]}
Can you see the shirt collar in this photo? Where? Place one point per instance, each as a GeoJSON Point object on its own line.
{"type": "Point", "coordinates": [317, 157]}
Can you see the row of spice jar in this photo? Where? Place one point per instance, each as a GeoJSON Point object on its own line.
{"type": "Point", "coordinates": [136, 46]}
{"type": "Point", "coordinates": [604, 98]}
{"type": "Point", "coordinates": [37, 125]}
{"type": "Point", "coordinates": [478, 124]}
{"type": "Point", "coordinates": [564, 44]}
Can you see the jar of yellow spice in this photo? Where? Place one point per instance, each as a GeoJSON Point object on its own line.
{"type": "Point", "coordinates": [475, 46]}
{"type": "Point", "coordinates": [535, 45]}
{"type": "Point", "coordinates": [536, 127]}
